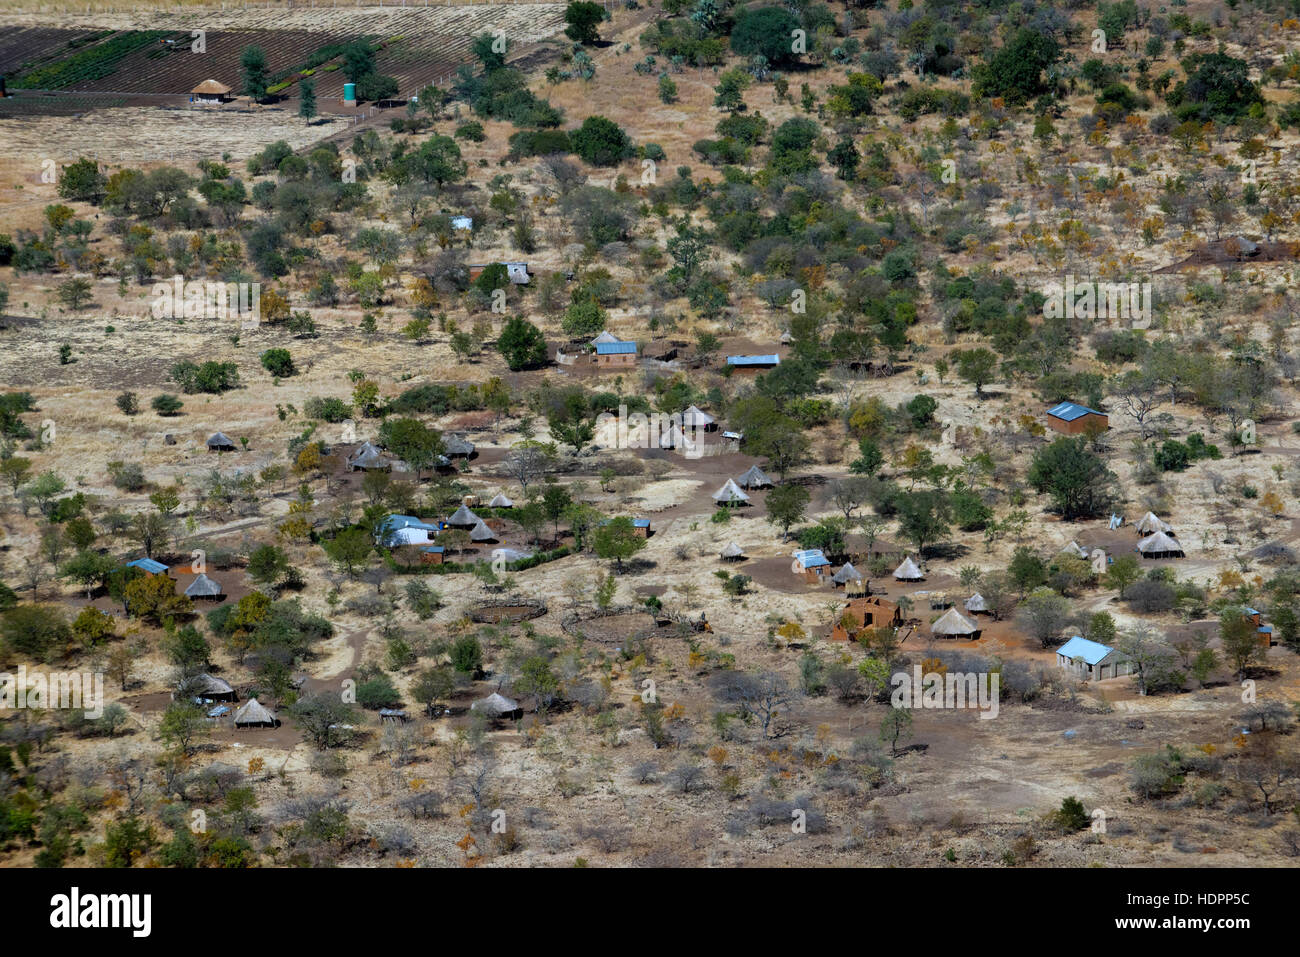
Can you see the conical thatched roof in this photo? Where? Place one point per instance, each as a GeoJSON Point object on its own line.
{"type": "Point", "coordinates": [211, 88]}
{"type": "Point", "coordinates": [219, 440]}
{"type": "Point", "coordinates": [456, 445]}
{"type": "Point", "coordinates": [1160, 544]}
{"type": "Point", "coordinates": [254, 712]}
{"type": "Point", "coordinates": [500, 501]}
{"type": "Point", "coordinates": [786, 337]}
{"type": "Point", "coordinates": [730, 492]}
{"type": "Point", "coordinates": [732, 550]}
{"type": "Point", "coordinates": [204, 587]}
{"type": "Point", "coordinates": [481, 533]}
{"type": "Point", "coordinates": [1149, 524]}
{"type": "Point", "coordinates": [206, 684]}
{"type": "Point", "coordinates": [755, 477]}
{"type": "Point", "coordinates": [463, 518]}
{"type": "Point", "coordinates": [495, 704]}
{"type": "Point", "coordinates": [847, 574]}
{"type": "Point", "coordinates": [605, 336]}
{"type": "Point", "coordinates": [367, 456]}
{"type": "Point", "coordinates": [953, 622]}
{"type": "Point", "coordinates": [909, 571]}
{"type": "Point", "coordinates": [1074, 549]}
{"type": "Point", "coordinates": [976, 603]}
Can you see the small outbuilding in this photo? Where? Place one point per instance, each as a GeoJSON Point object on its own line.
{"type": "Point", "coordinates": [205, 587]}
{"type": "Point", "coordinates": [432, 554]}
{"type": "Point", "coordinates": [754, 477]}
{"type": "Point", "coordinates": [1160, 545]}
{"type": "Point", "coordinates": [482, 533]}
{"type": "Point", "coordinates": [908, 571]}
{"type": "Point", "coordinates": [368, 457]}
{"type": "Point", "coordinates": [615, 354]}
{"type": "Point", "coordinates": [220, 442]}
{"type": "Point", "coordinates": [953, 624]}
{"type": "Point", "coordinates": [463, 518]}
{"type": "Point", "coordinates": [732, 552]}
{"type": "Point", "coordinates": [754, 362]}
{"type": "Point", "coordinates": [1091, 659]}
{"type": "Point", "coordinates": [731, 494]}
{"type": "Point", "coordinates": [209, 688]}
{"type": "Point", "coordinates": [696, 418]}
{"type": "Point", "coordinates": [254, 714]}
{"type": "Point", "coordinates": [1150, 523]}
{"type": "Point", "coordinates": [497, 705]}
{"type": "Point", "coordinates": [812, 564]}
{"type": "Point", "coordinates": [501, 501]}
{"type": "Point", "coordinates": [149, 566]}
{"type": "Point", "coordinates": [210, 91]}
{"type": "Point", "coordinates": [976, 604]}
{"type": "Point", "coordinates": [406, 530]}
{"type": "Point", "coordinates": [846, 574]}
{"type": "Point", "coordinates": [458, 447]}
{"type": "Point", "coordinates": [1070, 418]}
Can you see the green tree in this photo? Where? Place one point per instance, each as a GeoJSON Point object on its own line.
{"type": "Point", "coordinates": [600, 141]}
{"type": "Point", "coordinates": [617, 539]}
{"type": "Point", "coordinates": [582, 18]}
{"type": "Point", "coordinates": [349, 549]}
{"type": "Point", "coordinates": [1074, 476]}
{"type": "Point", "coordinates": [307, 98]}
{"type": "Point", "coordinates": [785, 507]}
{"type": "Point", "coordinates": [896, 726]}
{"type": "Point", "coordinates": [976, 366]}
{"type": "Point", "coordinates": [252, 64]}
{"type": "Point", "coordinates": [522, 344]}
{"type": "Point", "coordinates": [767, 32]}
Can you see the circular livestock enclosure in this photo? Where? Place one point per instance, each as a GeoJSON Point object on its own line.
{"type": "Point", "coordinates": [615, 626]}
{"type": "Point", "coordinates": [507, 612]}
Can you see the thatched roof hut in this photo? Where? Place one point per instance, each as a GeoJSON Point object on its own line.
{"type": "Point", "coordinates": [976, 603]}
{"type": "Point", "coordinates": [755, 477]}
{"type": "Point", "coordinates": [953, 624]}
{"type": "Point", "coordinates": [696, 418]}
{"type": "Point", "coordinates": [846, 574]}
{"type": "Point", "coordinates": [482, 533]}
{"type": "Point", "coordinates": [455, 446]}
{"type": "Point", "coordinates": [733, 552]}
{"type": "Point", "coordinates": [497, 705]}
{"type": "Point", "coordinates": [210, 687]}
{"type": "Point", "coordinates": [1160, 545]}
{"type": "Point", "coordinates": [500, 500]}
{"type": "Point", "coordinates": [211, 88]}
{"type": "Point", "coordinates": [367, 456]}
{"type": "Point", "coordinates": [254, 714]}
{"type": "Point", "coordinates": [730, 494]}
{"type": "Point", "coordinates": [909, 571]}
{"type": "Point", "coordinates": [1149, 524]}
{"type": "Point", "coordinates": [1075, 549]}
{"type": "Point", "coordinates": [204, 587]}
{"type": "Point", "coordinates": [463, 518]}
{"type": "Point", "coordinates": [220, 442]}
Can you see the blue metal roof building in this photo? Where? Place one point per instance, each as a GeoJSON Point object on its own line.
{"type": "Point", "coordinates": [1069, 411]}
{"type": "Point", "coordinates": [1090, 651]}
{"type": "Point", "coordinates": [147, 565]}
{"type": "Point", "coordinates": [811, 558]}
{"type": "Point", "coordinates": [615, 348]}
{"type": "Point", "coordinates": [772, 360]}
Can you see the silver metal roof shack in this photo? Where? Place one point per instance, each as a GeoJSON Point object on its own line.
{"type": "Point", "coordinates": [204, 587]}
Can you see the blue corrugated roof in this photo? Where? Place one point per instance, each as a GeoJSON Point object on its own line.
{"type": "Point", "coordinates": [148, 565]}
{"type": "Point", "coordinates": [435, 549]}
{"type": "Point", "coordinates": [1250, 611]}
{"type": "Point", "coordinates": [1069, 411]}
{"type": "Point", "coordinates": [1090, 651]}
{"type": "Point", "coordinates": [640, 523]}
{"type": "Point", "coordinates": [811, 558]}
{"type": "Point", "coordinates": [394, 522]}
{"type": "Point", "coordinates": [615, 348]}
{"type": "Point", "coordinates": [753, 360]}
